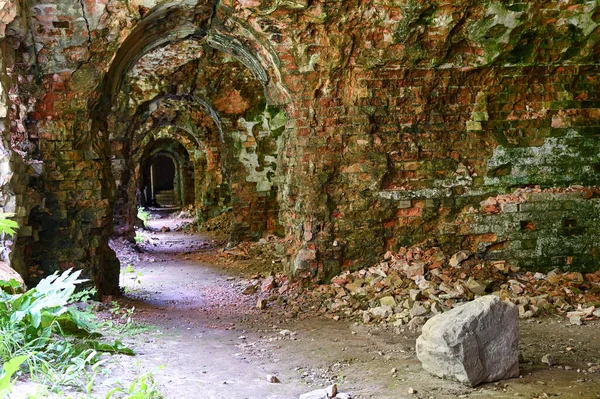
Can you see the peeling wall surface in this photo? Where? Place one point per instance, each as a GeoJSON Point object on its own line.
{"type": "Point", "coordinates": [371, 125]}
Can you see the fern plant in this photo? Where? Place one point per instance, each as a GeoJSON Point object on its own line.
{"type": "Point", "coordinates": [8, 226]}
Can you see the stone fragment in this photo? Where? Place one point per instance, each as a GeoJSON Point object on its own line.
{"type": "Point", "coordinates": [261, 304]}
{"type": "Point", "coordinates": [474, 343]}
{"type": "Point", "coordinates": [418, 310]}
{"type": "Point", "coordinates": [353, 287]}
{"type": "Point", "coordinates": [548, 359]}
{"type": "Point", "coordinates": [249, 290]}
{"type": "Point", "coordinates": [272, 379]}
{"type": "Point", "coordinates": [476, 287]}
{"type": "Point", "coordinates": [165, 229]}
{"type": "Point", "coordinates": [412, 391]}
{"type": "Point", "coordinates": [414, 295]}
{"type": "Point", "coordinates": [581, 313]}
{"type": "Point", "coordinates": [268, 284]}
{"type": "Point", "coordinates": [594, 369]}
{"type": "Point", "coordinates": [382, 312]}
{"type": "Point", "coordinates": [316, 394]}
{"type": "Point", "coordinates": [287, 333]}
{"type": "Point", "coordinates": [458, 257]}
{"type": "Point", "coordinates": [388, 301]}
{"type": "Point", "coordinates": [414, 270]}
{"type": "Point", "coordinates": [328, 393]}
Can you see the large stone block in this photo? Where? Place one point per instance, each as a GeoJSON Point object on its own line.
{"type": "Point", "coordinates": [474, 343]}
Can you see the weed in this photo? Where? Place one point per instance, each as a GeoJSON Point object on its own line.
{"type": "Point", "coordinates": [143, 387]}
{"type": "Point", "coordinates": [143, 215]}
{"type": "Point", "coordinates": [125, 324]}
{"type": "Point", "coordinates": [129, 271]}
{"type": "Point", "coordinates": [139, 237]}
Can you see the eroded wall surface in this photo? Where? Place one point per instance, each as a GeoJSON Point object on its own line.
{"type": "Point", "coordinates": [382, 123]}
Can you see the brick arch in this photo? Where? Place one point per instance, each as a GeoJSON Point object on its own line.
{"type": "Point", "coordinates": [256, 212]}
{"type": "Point", "coordinates": [183, 184]}
{"type": "Point", "coordinates": [211, 190]}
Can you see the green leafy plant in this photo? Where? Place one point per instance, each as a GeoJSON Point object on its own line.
{"type": "Point", "coordinates": [124, 319]}
{"type": "Point", "coordinates": [139, 237]}
{"type": "Point", "coordinates": [8, 226]}
{"type": "Point", "coordinates": [143, 387]}
{"type": "Point", "coordinates": [143, 215]}
{"type": "Point", "coordinates": [57, 339]}
{"type": "Point", "coordinates": [9, 369]}
{"type": "Point", "coordinates": [129, 271]}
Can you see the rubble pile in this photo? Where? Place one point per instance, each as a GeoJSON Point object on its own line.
{"type": "Point", "coordinates": [270, 249]}
{"type": "Point", "coordinates": [223, 222]}
{"type": "Point", "coordinates": [410, 286]}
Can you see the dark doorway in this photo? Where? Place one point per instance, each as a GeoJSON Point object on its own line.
{"type": "Point", "coordinates": [164, 173]}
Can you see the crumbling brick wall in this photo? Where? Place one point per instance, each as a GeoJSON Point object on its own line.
{"type": "Point", "coordinates": [470, 122]}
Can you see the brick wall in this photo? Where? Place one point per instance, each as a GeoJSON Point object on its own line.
{"type": "Point", "coordinates": [392, 122]}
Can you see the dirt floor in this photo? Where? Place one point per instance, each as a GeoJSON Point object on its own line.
{"type": "Point", "coordinates": [214, 343]}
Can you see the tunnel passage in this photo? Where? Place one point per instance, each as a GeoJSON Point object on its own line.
{"type": "Point", "coordinates": [213, 115]}
{"type": "Point", "coordinates": [160, 174]}
{"type": "Point", "coordinates": [166, 175]}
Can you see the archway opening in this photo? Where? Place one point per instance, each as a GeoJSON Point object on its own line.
{"type": "Point", "coordinates": [161, 171]}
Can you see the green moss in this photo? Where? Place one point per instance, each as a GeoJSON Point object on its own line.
{"type": "Point", "coordinates": [414, 14]}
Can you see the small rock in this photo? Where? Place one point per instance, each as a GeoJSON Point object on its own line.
{"type": "Point", "coordinates": [594, 369]}
{"type": "Point", "coordinates": [316, 394]}
{"type": "Point", "coordinates": [575, 320]}
{"type": "Point", "coordinates": [272, 379]}
{"type": "Point", "coordinates": [414, 295]}
{"type": "Point", "coordinates": [458, 257]}
{"type": "Point", "coordinates": [366, 317]}
{"type": "Point", "coordinates": [327, 393]}
{"type": "Point", "coordinates": [476, 287]}
{"type": "Point", "coordinates": [165, 229]}
{"type": "Point", "coordinates": [382, 312]}
{"type": "Point", "coordinates": [548, 359]}
{"type": "Point", "coordinates": [268, 284]}
{"type": "Point", "coordinates": [414, 270]}
{"type": "Point", "coordinates": [418, 310]}
{"type": "Point", "coordinates": [412, 391]}
{"type": "Point", "coordinates": [7, 273]}
{"type": "Point", "coordinates": [249, 290]}
{"type": "Point", "coordinates": [354, 286]}
{"type": "Point", "coordinates": [261, 304]}
{"type": "Point", "coordinates": [388, 301]}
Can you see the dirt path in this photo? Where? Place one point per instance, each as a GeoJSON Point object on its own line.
{"type": "Point", "coordinates": [214, 343]}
